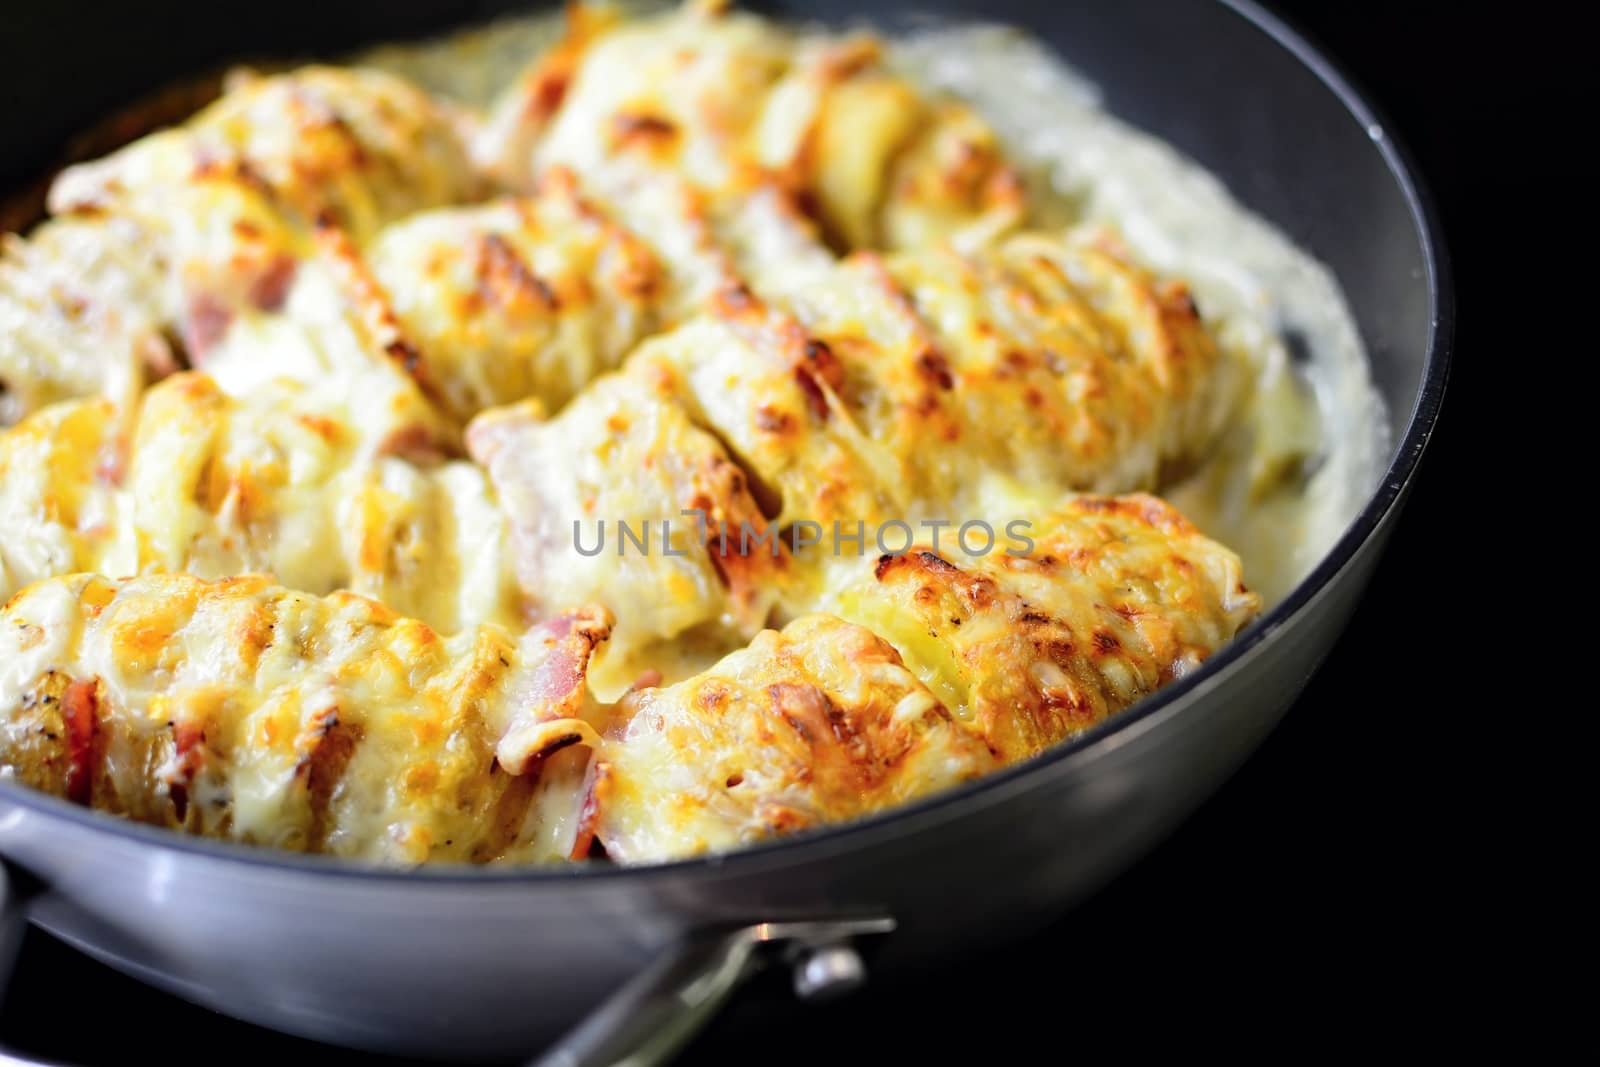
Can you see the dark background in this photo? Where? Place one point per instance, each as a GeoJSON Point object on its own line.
{"type": "Point", "coordinates": [1321, 893]}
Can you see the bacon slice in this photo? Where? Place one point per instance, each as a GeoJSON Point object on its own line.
{"type": "Point", "coordinates": [551, 694]}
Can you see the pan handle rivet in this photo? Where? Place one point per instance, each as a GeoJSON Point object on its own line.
{"type": "Point", "coordinates": [828, 971]}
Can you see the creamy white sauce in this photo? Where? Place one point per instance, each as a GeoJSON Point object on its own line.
{"type": "Point", "coordinates": [1309, 443]}
{"type": "Point", "coordinates": [1322, 419]}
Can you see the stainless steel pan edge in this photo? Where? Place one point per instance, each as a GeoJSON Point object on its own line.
{"type": "Point", "coordinates": [494, 963]}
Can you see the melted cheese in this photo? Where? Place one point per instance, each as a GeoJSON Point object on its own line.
{"type": "Point", "coordinates": [215, 486]}
{"type": "Point", "coordinates": [927, 673]}
{"type": "Point", "coordinates": [527, 297]}
{"type": "Point", "coordinates": [59, 512]}
{"type": "Point", "coordinates": [207, 231]}
{"type": "Point", "coordinates": [82, 306]}
{"type": "Point", "coordinates": [1031, 642]}
{"type": "Point", "coordinates": [620, 290]}
{"type": "Point", "coordinates": [721, 99]}
{"type": "Point", "coordinates": [242, 710]}
{"type": "Point", "coordinates": [357, 148]}
{"type": "Point", "coordinates": [572, 517]}
{"type": "Point", "coordinates": [816, 724]}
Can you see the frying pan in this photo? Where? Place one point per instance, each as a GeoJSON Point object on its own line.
{"type": "Point", "coordinates": [497, 963]}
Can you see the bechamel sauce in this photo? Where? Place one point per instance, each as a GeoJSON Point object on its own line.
{"type": "Point", "coordinates": [1309, 445]}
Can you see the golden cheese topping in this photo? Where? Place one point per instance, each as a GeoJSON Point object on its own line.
{"type": "Point", "coordinates": [534, 296]}
{"type": "Point", "coordinates": [109, 693]}
{"type": "Point", "coordinates": [60, 511]}
{"type": "Point", "coordinates": [583, 532]}
{"type": "Point", "coordinates": [815, 724]}
{"type": "Point", "coordinates": [275, 485]}
{"type": "Point", "coordinates": [247, 357]}
{"type": "Point", "coordinates": [216, 486]}
{"type": "Point", "coordinates": [358, 148]}
{"type": "Point", "coordinates": [1030, 642]}
{"type": "Point", "coordinates": [876, 400]}
{"type": "Point", "coordinates": [336, 333]}
{"type": "Point", "coordinates": [235, 234]}
{"type": "Point", "coordinates": [522, 297]}
{"type": "Point", "coordinates": [935, 668]}
{"type": "Point", "coordinates": [242, 710]}
{"type": "Point", "coordinates": [725, 99]}
{"type": "Point", "coordinates": [82, 312]}
{"type": "Point", "coordinates": [898, 387]}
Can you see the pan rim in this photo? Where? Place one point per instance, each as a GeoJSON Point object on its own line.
{"type": "Point", "coordinates": [1069, 756]}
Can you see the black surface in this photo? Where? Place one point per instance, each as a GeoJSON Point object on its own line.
{"type": "Point", "coordinates": [1312, 890]}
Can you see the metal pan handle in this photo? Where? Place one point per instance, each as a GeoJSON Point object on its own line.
{"type": "Point", "coordinates": [646, 1021]}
